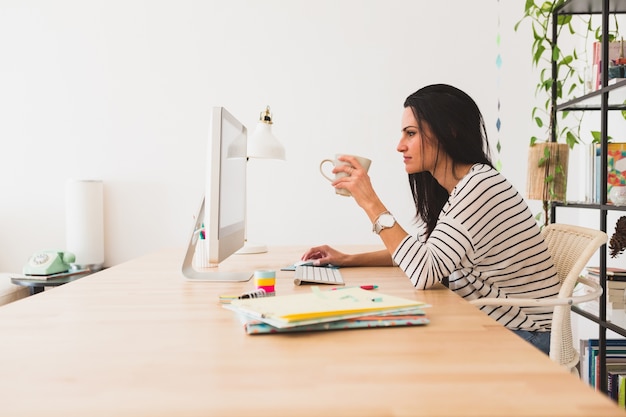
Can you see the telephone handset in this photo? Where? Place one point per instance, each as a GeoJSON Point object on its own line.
{"type": "Point", "coordinates": [48, 263]}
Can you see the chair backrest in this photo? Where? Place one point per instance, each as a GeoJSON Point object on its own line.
{"type": "Point", "coordinates": [570, 247]}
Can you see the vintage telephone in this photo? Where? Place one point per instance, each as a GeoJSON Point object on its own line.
{"type": "Point", "coordinates": [48, 263]}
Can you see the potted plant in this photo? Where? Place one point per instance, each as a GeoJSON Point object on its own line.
{"type": "Point", "coordinates": [559, 79]}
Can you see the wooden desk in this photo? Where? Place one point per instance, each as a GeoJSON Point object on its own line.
{"type": "Point", "coordinates": [139, 340]}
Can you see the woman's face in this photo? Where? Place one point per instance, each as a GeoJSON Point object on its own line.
{"type": "Point", "coordinates": [417, 150]}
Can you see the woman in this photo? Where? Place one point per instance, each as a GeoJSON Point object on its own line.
{"type": "Point", "coordinates": [477, 232]}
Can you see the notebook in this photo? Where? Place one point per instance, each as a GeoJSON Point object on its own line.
{"type": "Point", "coordinates": [320, 306]}
{"type": "Point", "coordinates": [417, 318]}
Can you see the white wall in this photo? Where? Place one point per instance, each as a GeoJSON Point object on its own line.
{"type": "Point", "coordinates": [121, 91]}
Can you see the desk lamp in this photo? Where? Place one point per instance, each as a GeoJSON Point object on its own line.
{"type": "Point", "coordinates": [262, 145]}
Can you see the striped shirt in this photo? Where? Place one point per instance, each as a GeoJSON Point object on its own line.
{"type": "Point", "coordinates": [488, 244]}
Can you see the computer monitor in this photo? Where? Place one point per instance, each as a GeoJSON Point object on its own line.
{"type": "Point", "coordinates": [223, 209]}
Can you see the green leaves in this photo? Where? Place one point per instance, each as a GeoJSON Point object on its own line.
{"type": "Point", "coordinates": [571, 139]}
{"type": "Point", "coordinates": [567, 83]}
{"type": "Point", "coordinates": [597, 137]}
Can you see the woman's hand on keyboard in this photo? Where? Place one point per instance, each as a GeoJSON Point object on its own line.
{"type": "Point", "coordinates": [324, 255]}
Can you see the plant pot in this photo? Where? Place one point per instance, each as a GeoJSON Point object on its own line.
{"type": "Point", "coordinates": [546, 178]}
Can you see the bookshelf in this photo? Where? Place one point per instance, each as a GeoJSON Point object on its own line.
{"type": "Point", "coordinates": [606, 99]}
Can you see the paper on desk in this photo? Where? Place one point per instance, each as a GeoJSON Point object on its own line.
{"type": "Point", "coordinates": [394, 319]}
{"type": "Point", "coordinates": [320, 306]}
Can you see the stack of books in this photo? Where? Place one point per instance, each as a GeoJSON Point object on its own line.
{"type": "Point", "coordinates": [615, 286]}
{"type": "Point", "coordinates": [345, 308]}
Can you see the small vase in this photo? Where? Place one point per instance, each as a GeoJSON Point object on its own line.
{"type": "Point", "coordinates": [617, 195]}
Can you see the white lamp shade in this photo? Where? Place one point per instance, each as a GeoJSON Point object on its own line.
{"type": "Point", "coordinates": [84, 223]}
{"type": "Point", "coordinates": [263, 144]}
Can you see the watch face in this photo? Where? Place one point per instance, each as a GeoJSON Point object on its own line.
{"type": "Point", "coordinates": [386, 220]}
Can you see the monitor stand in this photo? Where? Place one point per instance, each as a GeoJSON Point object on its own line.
{"type": "Point", "coordinates": [207, 274]}
{"type": "Point", "coordinates": [250, 248]}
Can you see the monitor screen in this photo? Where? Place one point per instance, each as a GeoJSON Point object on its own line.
{"type": "Point", "coordinates": [223, 209]}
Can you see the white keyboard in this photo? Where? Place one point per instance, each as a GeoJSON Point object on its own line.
{"type": "Point", "coordinates": [309, 274]}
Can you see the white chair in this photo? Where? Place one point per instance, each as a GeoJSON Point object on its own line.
{"type": "Point", "coordinates": [570, 247]}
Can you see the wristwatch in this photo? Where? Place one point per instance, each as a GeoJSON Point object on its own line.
{"type": "Point", "coordinates": [384, 221]}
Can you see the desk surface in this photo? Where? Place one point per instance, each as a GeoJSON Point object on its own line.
{"type": "Point", "coordinates": [139, 340]}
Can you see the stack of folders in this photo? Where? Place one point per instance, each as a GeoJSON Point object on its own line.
{"type": "Point", "coordinates": [327, 310]}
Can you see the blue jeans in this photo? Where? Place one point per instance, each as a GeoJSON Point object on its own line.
{"type": "Point", "coordinates": [540, 340]}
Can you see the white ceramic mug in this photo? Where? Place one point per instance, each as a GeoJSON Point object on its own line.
{"type": "Point", "coordinates": [365, 163]}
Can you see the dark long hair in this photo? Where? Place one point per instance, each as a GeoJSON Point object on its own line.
{"type": "Point", "coordinates": [458, 128]}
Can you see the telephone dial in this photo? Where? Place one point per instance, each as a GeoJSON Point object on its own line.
{"type": "Point", "coordinates": [48, 263]}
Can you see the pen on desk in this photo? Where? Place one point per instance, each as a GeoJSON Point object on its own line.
{"type": "Point", "coordinates": [260, 292]}
{"type": "Point", "coordinates": [250, 294]}
{"type": "Point", "coordinates": [369, 287]}
{"type": "Point", "coordinates": [363, 287]}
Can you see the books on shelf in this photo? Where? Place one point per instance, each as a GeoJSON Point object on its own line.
{"type": "Point", "coordinates": [318, 308]}
{"type": "Point", "coordinates": [616, 170]}
{"type": "Point", "coordinates": [621, 390]}
{"type": "Point", "coordinates": [593, 168]}
{"type": "Point", "coordinates": [589, 359]}
{"type": "Point", "coordinates": [612, 273]}
{"type": "Point", "coordinates": [615, 368]}
{"type": "Point", "coordinates": [616, 51]}
{"type": "Point", "coordinates": [615, 286]}
{"type": "Point", "coordinates": [615, 297]}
